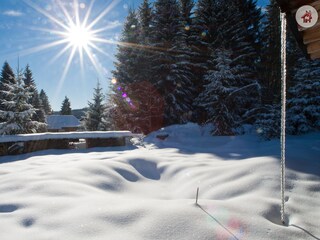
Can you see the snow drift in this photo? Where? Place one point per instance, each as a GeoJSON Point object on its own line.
{"type": "Point", "coordinates": [147, 191]}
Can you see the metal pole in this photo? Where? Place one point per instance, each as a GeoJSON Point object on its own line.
{"type": "Point", "coordinates": [283, 110]}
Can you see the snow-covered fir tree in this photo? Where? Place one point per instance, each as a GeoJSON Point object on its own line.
{"type": "Point", "coordinates": [191, 53]}
{"type": "Point", "coordinates": [17, 113]}
{"type": "Point", "coordinates": [171, 68]}
{"type": "Point", "coordinates": [95, 116]}
{"type": "Point", "coordinates": [187, 20]}
{"type": "Point", "coordinates": [126, 59]}
{"type": "Point", "coordinates": [132, 94]}
{"type": "Point", "coordinates": [205, 24]}
{"type": "Point", "coordinates": [304, 102]}
{"type": "Point", "coordinates": [236, 37]}
{"type": "Point", "coordinates": [179, 49]}
{"type": "Point", "coordinates": [251, 17]}
{"type": "Point", "coordinates": [227, 28]}
{"type": "Point", "coordinates": [40, 114]}
{"type": "Point", "coordinates": [268, 121]}
{"type": "Point", "coordinates": [293, 55]}
{"type": "Point", "coordinates": [222, 97]}
{"type": "Point", "coordinates": [271, 66]}
{"type": "Point", "coordinates": [108, 120]}
{"type": "Point", "coordinates": [145, 15]}
{"type": "Point", "coordinates": [144, 52]}
{"type": "Point", "coordinates": [44, 102]}
{"type": "Point", "coordinates": [143, 116]}
{"type": "Point", "coordinates": [30, 84]}
{"type": "Point", "coordinates": [204, 34]}
{"type": "Point", "coordinates": [34, 99]}
{"type": "Point", "coordinates": [7, 77]}
{"type": "Point", "coordinates": [65, 107]}
{"type": "Point", "coordinates": [219, 97]}
{"type": "Point", "coordinates": [127, 70]}
{"type": "Point", "coordinates": [229, 24]}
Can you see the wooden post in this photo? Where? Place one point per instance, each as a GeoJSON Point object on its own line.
{"type": "Point", "coordinates": [197, 195]}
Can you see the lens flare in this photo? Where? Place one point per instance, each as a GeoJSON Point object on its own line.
{"type": "Point", "coordinates": [227, 226]}
{"type": "Point", "coordinates": [114, 81]}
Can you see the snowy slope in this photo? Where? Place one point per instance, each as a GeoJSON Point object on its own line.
{"type": "Point", "coordinates": [148, 191]}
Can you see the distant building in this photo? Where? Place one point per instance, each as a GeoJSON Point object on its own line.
{"type": "Point", "coordinates": [62, 123]}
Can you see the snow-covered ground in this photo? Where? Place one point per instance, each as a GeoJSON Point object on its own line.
{"type": "Point", "coordinates": [148, 191]}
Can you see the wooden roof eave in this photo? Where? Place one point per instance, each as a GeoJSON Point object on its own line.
{"type": "Point", "coordinates": [290, 5]}
{"type": "Point", "coordinates": [307, 39]}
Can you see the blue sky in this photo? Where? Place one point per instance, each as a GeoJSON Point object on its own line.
{"type": "Point", "coordinates": [27, 27]}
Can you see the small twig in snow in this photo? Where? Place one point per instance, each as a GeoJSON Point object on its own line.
{"type": "Point", "coordinates": [197, 195]}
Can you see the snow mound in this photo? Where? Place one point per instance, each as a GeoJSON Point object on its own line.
{"type": "Point", "coordinates": [149, 192]}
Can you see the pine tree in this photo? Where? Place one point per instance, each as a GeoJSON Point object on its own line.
{"type": "Point", "coordinates": [65, 107]}
{"type": "Point", "coordinates": [252, 17]}
{"type": "Point", "coordinates": [126, 64]}
{"type": "Point", "coordinates": [206, 23]}
{"type": "Point", "coordinates": [171, 68]}
{"type": "Point", "coordinates": [133, 97]}
{"type": "Point", "coordinates": [293, 55]}
{"type": "Point", "coordinates": [7, 77]}
{"type": "Point", "coordinates": [215, 97]}
{"type": "Point", "coordinates": [28, 77]}
{"type": "Point", "coordinates": [127, 69]}
{"type": "Point", "coordinates": [271, 72]}
{"type": "Point", "coordinates": [204, 34]}
{"type": "Point", "coordinates": [143, 106]}
{"type": "Point", "coordinates": [95, 116]}
{"type": "Point", "coordinates": [268, 121]}
{"type": "Point", "coordinates": [108, 120]}
{"type": "Point", "coordinates": [144, 53]}
{"type": "Point", "coordinates": [44, 102]}
{"type": "Point", "coordinates": [34, 99]}
{"type": "Point", "coordinates": [237, 37]}
{"type": "Point", "coordinates": [304, 101]}
{"type": "Point", "coordinates": [145, 21]}
{"type": "Point", "coordinates": [40, 114]}
{"type": "Point", "coordinates": [228, 28]}
{"type": "Point", "coordinates": [191, 54]}
{"type": "Point", "coordinates": [17, 116]}
{"type": "Point", "coordinates": [229, 25]}
{"type": "Point", "coordinates": [222, 97]}
{"type": "Point", "coordinates": [30, 84]}
{"type": "Point", "coordinates": [187, 20]}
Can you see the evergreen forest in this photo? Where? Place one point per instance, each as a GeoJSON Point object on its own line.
{"type": "Point", "coordinates": [210, 62]}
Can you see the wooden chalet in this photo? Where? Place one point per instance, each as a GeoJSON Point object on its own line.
{"type": "Point", "coordinates": [309, 38]}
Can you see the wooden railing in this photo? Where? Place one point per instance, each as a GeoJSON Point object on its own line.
{"type": "Point", "coordinates": [25, 143]}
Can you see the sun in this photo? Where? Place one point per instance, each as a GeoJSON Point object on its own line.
{"type": "Point", "coordinates": [75, 30]}
{"type": "Point", "coordinates": [79, 36]}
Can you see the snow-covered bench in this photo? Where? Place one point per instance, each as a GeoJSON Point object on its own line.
{"type": "Point", "coordinates": [25, 143]}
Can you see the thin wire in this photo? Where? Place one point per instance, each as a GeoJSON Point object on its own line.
{"type": "Point", "coordinates": [283, 109]}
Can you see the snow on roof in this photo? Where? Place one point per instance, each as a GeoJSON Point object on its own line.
{"type": "Point", "coordinates": [62, 121]}
{"type": "Point", "coordinates": [65, 135]}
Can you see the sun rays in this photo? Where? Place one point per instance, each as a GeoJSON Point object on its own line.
{"type": "Point", "coordinates": [75, 33]}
